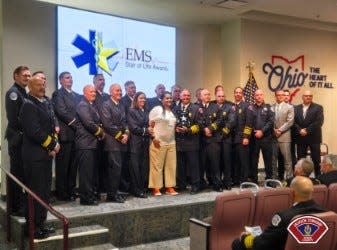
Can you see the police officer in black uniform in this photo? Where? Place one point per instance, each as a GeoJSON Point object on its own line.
{"type": "Point", "coordinates": [189, 121]}
{"type": "Point", "coordinates": [241, 137]}
{"type": "Point", "coordinates": [275, 235]}
{"type": "Point", "coordinates": [40, 146]}
{"type": "Point", "coordinates": [210, 141]}
{"type": "Point", "coordinates": [88, 132]}
{"type": "Point", "coordinates": [13, 101]}
{"type": "Point", "coordinates": [227, 123]}
{"type": "Point", "coordinates": [263, 126]}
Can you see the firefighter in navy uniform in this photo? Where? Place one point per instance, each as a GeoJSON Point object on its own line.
{"type": "Point", "coordinates": [13, 101]}
{"type": "Point", "coordinates": [189, 121]}
{"type": "Point", "coordinates": [88, 133]}
{"type": "Point", "coordinates": [241, 137]}
{"type": "Point", "coordinates": [263, 126]}
{"type": "Point", "coordinates": [40, 145]}
{"type": "Point", "coordinates": [227, 123]}
{"type": "Point", "coordinates": [211, 139]}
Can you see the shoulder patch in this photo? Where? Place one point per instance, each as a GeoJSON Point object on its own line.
{"type": "Point", "coordinates": [275, 221]}
{"type": "Point", "coordinates": [13, 96]}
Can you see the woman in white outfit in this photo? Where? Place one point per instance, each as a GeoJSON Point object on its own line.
{"type": "Point", "coordinates": [163, 147]}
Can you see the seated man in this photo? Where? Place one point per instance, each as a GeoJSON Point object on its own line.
{"type": "Point", "coordinates": [275, 235]}
{"type": "Point", "coordinates": [303, 167]}
{"type": "Point", "coordinates": [328, 170]}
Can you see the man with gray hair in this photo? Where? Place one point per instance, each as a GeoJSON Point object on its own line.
{"type": "Point", "coordinates": [303, 167]}
{"type": "Point", "coordinates": [328, 170]}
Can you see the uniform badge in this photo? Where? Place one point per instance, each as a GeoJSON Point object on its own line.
{"type": "Point", "coordinates": [224, 113]}
{"type": "Point", "coordinates": [240, 111]}
{"type": "Point", "coordinates": [275, 221]}
{"type": "Point", "coordinates": [201, 110]}
{"type": "Point", "coordinates": [214, 114]}
{"type": "Point", "coordinates": [13, 96]}
{"type": "Point", "coordinates": [190, 114]}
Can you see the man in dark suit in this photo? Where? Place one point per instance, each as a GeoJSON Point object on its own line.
{"type": "Point", "coordinates": [275, 235]}
{"type": "Point", "coordinates": [13, 101]}
{"type": "Point", "coordinates": [155, 101]}
{"type": "Point", "coordinates": [39, 147]}
{"type": "Point", "coordinates": [65, 101]}
{"type": "Point", "coordinates": [88, 132]}
{"type": "Point", "coordinates": [175, 91]}
{"type": "Point", "coordinates": [308, 123]}
{"type": "Point", "coordinates": [130, 91]}
{"type": "Point", "coordinates": [117, 135]}
{"type": "Point", "coordinates": [328, 170]}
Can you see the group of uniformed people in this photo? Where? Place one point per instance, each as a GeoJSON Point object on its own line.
{"type": "Point", "coordinates": [105, 138]}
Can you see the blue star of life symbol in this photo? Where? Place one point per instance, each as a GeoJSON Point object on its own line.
{"type": "Point", "coordinates": [94, 53]}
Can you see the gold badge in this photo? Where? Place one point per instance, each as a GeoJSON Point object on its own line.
{"type": "Point", "coordinates": [240, 111]}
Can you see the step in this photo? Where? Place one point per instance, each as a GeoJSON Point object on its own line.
{"type": "Point", "coordinates": [81, 236]}
{"type": "Point", "coordinates": [175, 244]}
{"type": "Point", "coordinates": [107, 246]}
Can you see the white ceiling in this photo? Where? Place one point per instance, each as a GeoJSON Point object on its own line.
{"type": "Point", "coordinates": [209, 11]}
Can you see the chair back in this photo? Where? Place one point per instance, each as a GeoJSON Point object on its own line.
{"type": "Point", "coordinates": [270, 201]}
{"type": "Point", "coordinates": [320, 195]}
{"type": "Point", "coordinates": [332, 197]}
{"type": "Point", "coordinates": [232, 211]}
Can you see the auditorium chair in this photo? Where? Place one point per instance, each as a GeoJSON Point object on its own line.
{"type": "Point", "coordinates": [232, 211]}
{"type": "Point", "coordinates": [332, 197]}
{"type": "Point", "coordinates": [270, 201]}
{"type": "Point", "coordinates": [327, 242]}
{"type": "Point", "coordinates": [320, 195]}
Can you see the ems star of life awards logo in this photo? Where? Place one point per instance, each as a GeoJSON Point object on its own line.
{"type": "Point", "coordinates": [307, 229]}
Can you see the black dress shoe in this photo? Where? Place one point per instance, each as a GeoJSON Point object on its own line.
{"type": "Point", "coordinates": [116, 198]}
{"type": "Point", "coordinates": [40, 234]}
{"type": "Point", "coordinates": [194, 190]}
{"type": "Point", "coordinates": [89, 202]}
{"type": "Point", "coordinates": [141, 195]}
{"type": "Point", "coordinates": [48, 229]}
{"type": "Point", "coordinates": [218, 188]}
{"type": "Point", "coordinates": [227, 186]}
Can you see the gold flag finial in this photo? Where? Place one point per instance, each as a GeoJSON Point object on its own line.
{"type": "Point", "coordinates": [251, 66]}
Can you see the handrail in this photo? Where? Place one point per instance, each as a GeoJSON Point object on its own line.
{"type": "Point", "coordinates": [31, 197]}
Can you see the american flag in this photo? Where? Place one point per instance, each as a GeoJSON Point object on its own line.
{"type": "Point", "coordinates": [250, 88]}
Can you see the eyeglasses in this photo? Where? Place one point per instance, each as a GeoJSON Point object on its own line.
{"type": "Point", "coordinates": [307, 95]}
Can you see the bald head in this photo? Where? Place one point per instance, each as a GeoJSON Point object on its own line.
{"type": "Point", "coordinates": [307, 97]}
{"type": "Point", "coordinates": [302, 187]}
{"type": "Point", "coordinates": [36, 87]}
{"type": "Point", "coordinates": [205, 96]}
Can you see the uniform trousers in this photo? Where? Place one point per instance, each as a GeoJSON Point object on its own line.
{"type": "Point", "coordinates": [241, 163]}
{"type": "Point", "coordinates": [211, 160]}
{"type": "Point", "coordinates": [114, 172]}
{"type": "Point", "coordinates": [16, 168]}
{"type": "Point", "coordinates": [226, 162]}
{"type": "Point", "coordinates": [265, 145]}
{"type": "Point", "coordinates": [139, 170]}
{"type": "Point", "coordinates": [87, 160]}
{"type": "Point", "coordinates": [38, 177]}
{"type": "Point", "coordinates": [65, 170]}
{"type": "Point", "coordinates": [187, 163]}
{"type": "Point", "coordinates": [163, 162]}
